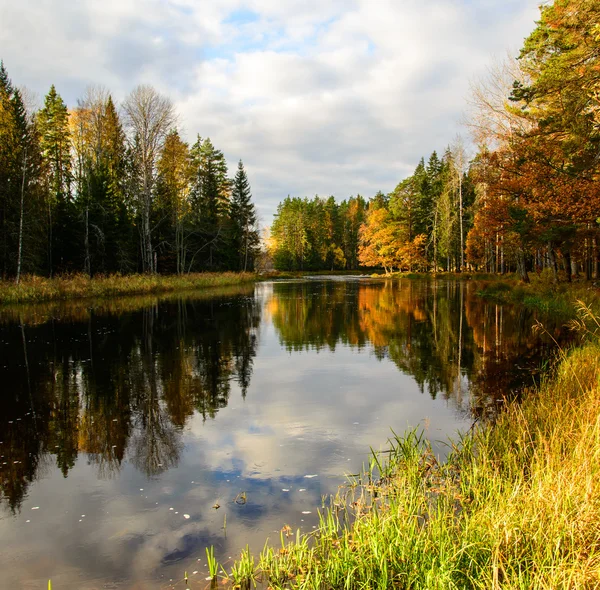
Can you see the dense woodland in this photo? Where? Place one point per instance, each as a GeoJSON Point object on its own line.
{"type": "Point", "coordinates": [529, 199]}
{"type": "Point", "coordinates": [98, 190]}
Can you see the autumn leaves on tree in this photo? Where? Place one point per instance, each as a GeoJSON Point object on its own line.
{"type": "Point", "coordinates": [530, 197]}
{"type": "Point", "coordinates": [537, 167]}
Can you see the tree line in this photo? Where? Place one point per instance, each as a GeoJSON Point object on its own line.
{"type": "Point", "coordinates": [421, 224]}
{"type": "Point", "coordinates": [97, 189]}
{"type": "Point", "coordinates": [528, 200]}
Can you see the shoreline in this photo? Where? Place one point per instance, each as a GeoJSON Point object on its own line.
{"type": "Point", "coordinates": [516, 505]}
{"type": "Point", "coordinates": [34, 289]}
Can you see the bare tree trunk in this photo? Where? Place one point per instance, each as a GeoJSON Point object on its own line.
{"type": "Point", "coordinates": [87, 263]}
{"type": "Point", "coordinates": [22, 207]}
{"type": "Point", "coordinates": [553, 265]}
{"type": "Point", "coordinates": [568, 265]}
{"type": "Point", "coordinates": [246, 251]}
{"type": "Point", "coordinates": [435, 261]}
{"type": "Point", "coordinates": [50, 238]}
{"type": "Point", "coordinates": [522, 266]}
{"type": "Point", "coordinates": [588, 262]}
{"type": "Point", "coordinates": [462, 233]}
{"type": "Point", "coordinates": [574, 267]}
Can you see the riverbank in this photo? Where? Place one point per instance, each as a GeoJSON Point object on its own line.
{"type": "Point", "coordinates": [33, 289]}
{"type": "Point", "coordinates": [542, 294]}
{"type": "Point", "coordinates": [516, 505]}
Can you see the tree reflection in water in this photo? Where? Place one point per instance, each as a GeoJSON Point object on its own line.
{"type": "Point", "coordinates": [120, 383]}
{"type": "Point", "coordinates": [117, 386]}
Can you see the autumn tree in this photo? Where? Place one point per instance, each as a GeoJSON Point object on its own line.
{"type": "Point", "coordinates": [55, 144]}
{"type": "Point", "coordinates": [174, 175]}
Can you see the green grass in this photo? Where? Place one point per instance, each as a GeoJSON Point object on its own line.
{"type": "Point", "coordinates": [515, 506]}
{"type": "Point", "coordinates": [542, 294]}
{"type": "Point", "coordinates": [78, 286]}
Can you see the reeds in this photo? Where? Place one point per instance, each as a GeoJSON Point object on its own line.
{"type": "Point", "coordinates": [77, 286]}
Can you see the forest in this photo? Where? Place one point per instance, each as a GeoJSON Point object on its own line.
{"type": "Point", "coordinates": [98, 190]}
{"type": "Point", "coordinates": [528, 199]}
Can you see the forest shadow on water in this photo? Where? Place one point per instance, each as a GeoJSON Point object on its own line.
{"type": "Point", "coordinates": [134, 433]}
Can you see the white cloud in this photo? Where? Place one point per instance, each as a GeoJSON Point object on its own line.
{"type": "Point", "coordinates": [331, 97]}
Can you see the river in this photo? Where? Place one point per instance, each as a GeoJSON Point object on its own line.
{"type": "Point", "coordinates": [134, 433]}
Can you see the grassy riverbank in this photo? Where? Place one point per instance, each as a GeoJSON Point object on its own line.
{"type": "Point", "coordinates": [34, 289]}
{"type": "Point", "coordinates": [516, 505]}
{"type": "Point", "coordinates": [542, 293]}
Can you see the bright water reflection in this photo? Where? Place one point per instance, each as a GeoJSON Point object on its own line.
{"type": "Point", "coordinates": [123, 424]}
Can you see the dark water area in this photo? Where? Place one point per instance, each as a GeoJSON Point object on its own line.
{"type": "Point", "coordinates": [135, 433]}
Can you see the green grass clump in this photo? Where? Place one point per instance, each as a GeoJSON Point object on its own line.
{"type": "Point", "coordinates": [35, 289]}
{"type": "Point", "coordinates": [516, 505]}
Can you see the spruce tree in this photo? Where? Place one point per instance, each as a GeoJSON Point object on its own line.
{"type": "Point", "coordinates": [113, 213]}
{"type": "Point", "coordinates": [243, 217]}
{"type": "Point", "coordinates": [210, 202]}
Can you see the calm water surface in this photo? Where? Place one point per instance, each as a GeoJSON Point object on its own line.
{"type": "Point", "coordinates": [124, 424]}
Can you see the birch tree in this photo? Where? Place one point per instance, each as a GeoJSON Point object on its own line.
{"type": "Point", "coordinates": [149, 116]}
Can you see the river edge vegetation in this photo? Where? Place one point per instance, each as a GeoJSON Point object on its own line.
{"type": "Point", "coordinates": [34, 289]}
{"type": "Point", "coordinates": [515, 505]}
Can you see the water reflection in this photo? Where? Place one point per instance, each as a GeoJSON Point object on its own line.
{"type": "Point", "coordinates": [117, 386]}
{"type": "Point", "coordinates": [122, 410]}
{"type": "Point", "coordinates": [440, 333]}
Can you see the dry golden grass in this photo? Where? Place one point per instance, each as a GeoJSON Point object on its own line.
{"type": "Point", "coordinates": [35, 288]}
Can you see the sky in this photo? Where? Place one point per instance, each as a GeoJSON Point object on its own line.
{"type": "Point", "coordinates": [327, 97]}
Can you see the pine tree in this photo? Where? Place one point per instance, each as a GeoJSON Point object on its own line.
{"type": "Point", "coordinates": [243, 217]}
{"type": "Point", "coordinates": [116, 212]}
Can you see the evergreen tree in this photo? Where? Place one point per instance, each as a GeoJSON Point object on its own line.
{"type": "Point", "coordinates": [28, 219]}
{"type": "Point", "coordinates": [210, 194]}
{"type": "Point", "coordinates": [243, 217]}
{"type": "Point", "coordinates": [115, 211]}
